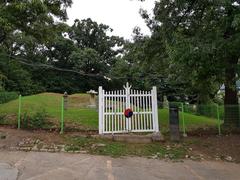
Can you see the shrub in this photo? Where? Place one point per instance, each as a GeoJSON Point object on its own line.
{"type": "Point", "coordinates": [36, 121]}
{"type": "Point", "coordinates": [7, 96]}
{"type": "Point", "coordinates": [39, 120]}
{"type": "Point", "coordinates": [2, 119]}
{"type": "Point", "coordinates": [24, 121]}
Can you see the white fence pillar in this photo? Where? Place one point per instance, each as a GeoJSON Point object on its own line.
{"type": "Point", "coordinates": [100, 111]}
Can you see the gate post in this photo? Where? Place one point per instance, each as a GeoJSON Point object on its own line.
{"type": "Point", "coordinates": [100, 111]}
{"type": "Point", "coordinates": [155, 109]}
{"type": "Point", "coordinates": [127, 90]}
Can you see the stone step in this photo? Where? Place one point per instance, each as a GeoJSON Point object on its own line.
{"type": "Point", "coordinates": [133, 138]}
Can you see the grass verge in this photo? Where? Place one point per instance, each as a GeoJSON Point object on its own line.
{"type": "Point", "coordinates": [116, 149]}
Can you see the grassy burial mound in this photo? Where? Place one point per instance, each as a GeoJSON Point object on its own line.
{"type": "Point", "coordinates": [48, 106]}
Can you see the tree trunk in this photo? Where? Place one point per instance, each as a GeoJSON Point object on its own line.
{"type": "Point", "coordinates": [231, 107]}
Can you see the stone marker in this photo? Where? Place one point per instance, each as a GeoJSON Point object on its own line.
{"type": "Point", "coordinates": [92, 98]}
{"type": "Point", "coordinates": [65, 97]}
{"type": "Point", "coordinates": [174, 123]}
{"type": "Point", "coordinates": [165, 102]}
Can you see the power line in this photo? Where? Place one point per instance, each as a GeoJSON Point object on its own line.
{"type": "Point", "coordinates": [25, 62]}
{"type": "Point", "coordinates": [56, 68]}
{"type": "Point", "coordinates": [42, 65]}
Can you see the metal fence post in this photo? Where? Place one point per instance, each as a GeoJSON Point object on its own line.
{"type": "Point", "coordinates": [19, 110]}
{"type": "Point", "coordinates": [219, 121]}
{"type": "Point", "coordinates": [183, 121]}
{"type": "Point", "coordinates": [62, 116]}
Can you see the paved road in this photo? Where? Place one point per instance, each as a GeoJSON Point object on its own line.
{"type": "Point", "coordinates": [61, 166]}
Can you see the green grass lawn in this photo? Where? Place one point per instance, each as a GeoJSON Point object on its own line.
{"type": "Point", "coordinates": [191, 121]}
{"type": "Point", "coordinates": [84, 117]}
{"type": "Point", "coordinates": [115, 149]}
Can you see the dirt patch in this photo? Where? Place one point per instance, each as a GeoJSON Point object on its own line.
{"type": "Point", "coordinates": [204, 147]}
{"type": "Point", "coordinates": [14, 136]}
{"type": "Point", "coordinates": [226, 147]}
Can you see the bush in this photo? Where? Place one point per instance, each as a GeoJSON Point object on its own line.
{"type": "Point", "coordinates": [24, 121]}
{"type": "Point", "coordinates": [2, 119]}
{"type": "Point", "coordinates": [36, 121]}
{"type": "Point", "coordinates": [7, 96]}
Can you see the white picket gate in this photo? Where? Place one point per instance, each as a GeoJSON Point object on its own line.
{"type": "Point", "coordinates": [112, 105]}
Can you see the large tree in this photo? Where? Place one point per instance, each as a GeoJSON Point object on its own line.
{"type": "Point", "coordinates": [139, 63]}
{"type": "Point", "coordinates": [89, 34]}
{"type": "Point", "coordinates": [26, 27]}
{"type": "Point", "coordinates": [87, 48]}
{"type": "Point", "coordinates": [202, 41]}
{"type": "Point", "coordinates": [31, 17]}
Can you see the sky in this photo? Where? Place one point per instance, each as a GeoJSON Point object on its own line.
{"type": "Point", "coordinates": [121, 15]}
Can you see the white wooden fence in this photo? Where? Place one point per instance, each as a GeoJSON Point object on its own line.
{"type": "Point", "coordinates": [112, 105]}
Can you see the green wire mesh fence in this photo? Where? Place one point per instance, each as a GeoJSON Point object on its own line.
{"type": "Point", "coordinates": [9, 107]}
{"type": "Point", "coordinates": [42, 111]}
{"type": "Point", "coordinates": [193, 117]}
{"type": "Point", "coordinates": [79, 112]}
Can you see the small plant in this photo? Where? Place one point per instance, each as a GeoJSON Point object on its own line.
{"type": "Point", "coordinates": [39, 119]}
{"type": "Point", "coordinates": [24, 121]}
{"type": "Point", "coordinates": [2, 119]}
{"type": "Point", "coordinates": [72, 147]}
{"type": "Point", "coordinates": [36, 121]}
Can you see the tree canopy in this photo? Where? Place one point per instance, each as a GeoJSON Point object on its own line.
{"type": "Point", "coordinates": [192, 51]}
{"type": "Point", "coordinates": [34, 33]}
{"type": "Point", "coordinates": [201, 41]}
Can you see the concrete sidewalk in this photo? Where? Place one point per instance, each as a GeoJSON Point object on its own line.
{"type": "Point", "coordinates": [59, 166]}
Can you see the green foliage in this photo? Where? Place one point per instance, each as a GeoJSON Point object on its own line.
{"type": "Point", "coordinates": [24, 120]}
{"type": "Point", "coordinates": [38, 120]}
{"type": "Point", "coordinates": [7, 96]}
{"type": "Point", "coordinates": [61, 51]}
{"type": "Point", "coordinates": [141, 65]}
{"type": "Point", "coordinates": [25, 28]}
{"type": "Point", "coordinates": [2, 119]}
{"type": "Point", "coordinates": [35, 121]}
{"type": "Point", "coordinates": [87, 60]}
{"type": "Point", "coordinates": [34, 18]}
{"type": "Point", "coordinates": [17, 78]}
{"type": "Point", "coordinates": [89, 34]}
{"type": "Point", "coordinates": [200, 41]}
{"type": "Point", "coordinates": [34, 32]}
{"type": "Point", "coordinates": [2, 81]}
